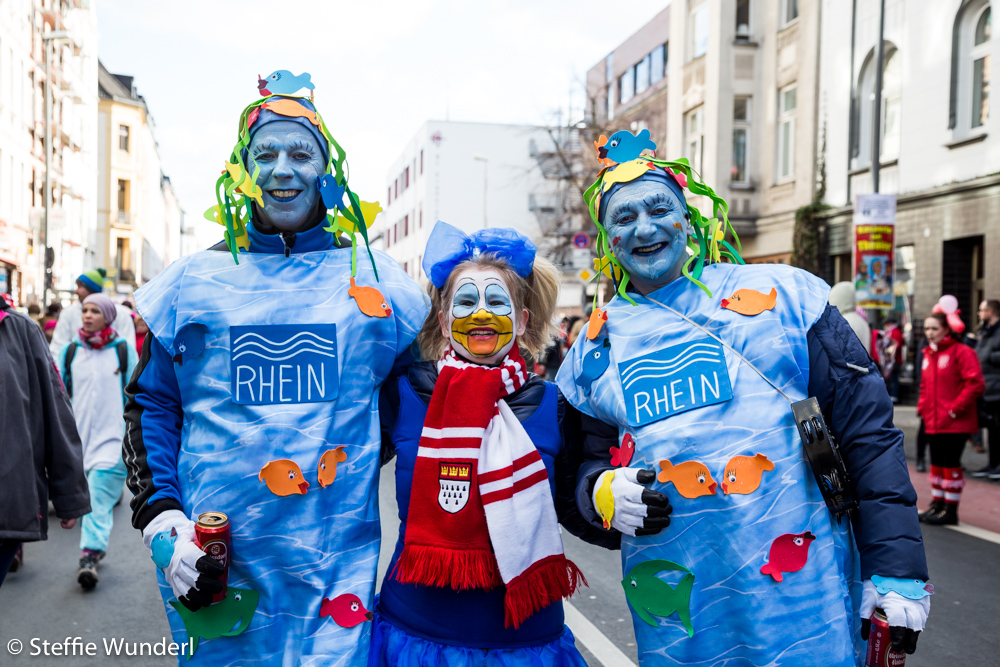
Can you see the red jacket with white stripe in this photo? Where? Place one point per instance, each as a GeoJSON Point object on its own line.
{"type": "Point", "coordinates": [950, 382]}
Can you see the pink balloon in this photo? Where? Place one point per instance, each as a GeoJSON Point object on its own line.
{"type": "Point", "coordinates": [949, 304]}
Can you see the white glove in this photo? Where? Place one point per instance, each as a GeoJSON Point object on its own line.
{"type": "Point", "coordinates": [627, 506]}
{"type": "Point", "coordinates": [192, 574]}
{"type": "Point", "coordinates": [906, 617]}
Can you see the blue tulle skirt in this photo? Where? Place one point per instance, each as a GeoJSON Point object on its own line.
{"type": "Point", "coordinates": [393, 647]}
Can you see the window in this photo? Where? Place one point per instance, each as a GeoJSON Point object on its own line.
{"type": "Point", "coordinates": [420, 219]}
{"type": "Point", "coordinates": [642, 75]}
{"type": "Point", "coordinates": [406, 178]}
{"type": "Point", "coordinates": [863, 109]}
{"type": "Point", "coordinates": [786, 134]}
{"type": "Point", "coordinates": [609, 68]}
{"type": "Point", "coordinates": [698, 31]}
{"type": "Point", "coordinates": [122, 194]}
{"type": "Point", "coordinates": [611, 101]}
{"type": "Point", "coordinates": [421, 161]}
{"type": "Point", "coordinates": [981, 69]}
{"type": "Point", "coordinates": [743, 20]}
{"type": "Point", "coordinates": [741, 136]}
{"type": "Point", "coordinates": [694, 127]}
{"type": "Point", "coordinates": [406, 226]}
{"type": "Point", "coordinates": [891, 102]}
{"type": "Point", "coordinates": [388, 196]}
{"type": "Point", "coordinates": [658, 64]}
{"type": "Point", "coordinates": [626, 85]}
{"type": "Point", "coordinates": [123, 137]}
{"type": "Point", "coordinates": [789, 11]}
{"type": "Point", "coordinates": [388, 237]}
{"type": "Point", "coordinates": [395, 191]}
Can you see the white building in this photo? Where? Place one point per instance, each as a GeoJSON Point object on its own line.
{"type": "Point", "coordinates": [72, 221]}
{"type": "Point", "coordinates": [472, 176]}
{"type": "Point", "coordinates": [940, 143]}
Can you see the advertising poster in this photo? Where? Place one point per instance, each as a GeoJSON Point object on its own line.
{"type": "Point", "coordinates": [874, 250]}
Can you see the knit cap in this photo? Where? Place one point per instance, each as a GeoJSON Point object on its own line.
{"type": "Point", "coordinates": [105, 305]}
{"type": "Point", "coordinates": [93, 279]}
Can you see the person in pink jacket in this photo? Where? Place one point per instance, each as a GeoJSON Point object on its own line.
{"type": "Point", "coordinates": [950, 382]}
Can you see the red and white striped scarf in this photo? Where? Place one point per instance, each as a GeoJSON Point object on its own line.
{"type": "Point", "coordinates": [479, 482]}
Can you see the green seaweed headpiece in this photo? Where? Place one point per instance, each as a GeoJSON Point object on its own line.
{"type": "Point", "coordinates": [706, 244]}
{"type": "Point", "coordinates": [237, 187]}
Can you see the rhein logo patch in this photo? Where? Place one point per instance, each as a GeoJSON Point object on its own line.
{"type": "Point", "coordinates": [455, 479]}
{"type": "Point", "coordinates": [283, 363]}
{"type": "Point", "coordinates": [674, 380]}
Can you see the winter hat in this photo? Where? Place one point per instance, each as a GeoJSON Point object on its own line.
{"type": "Point", "coordinates": [93, 279]}
{"type": "Point", "coordinates": [105, 305]}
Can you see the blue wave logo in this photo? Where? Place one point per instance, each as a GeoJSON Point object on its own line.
{"type": "Point", "coordinates": [674, 380]}
{"type": "Point", "coordinates": [284, 363]}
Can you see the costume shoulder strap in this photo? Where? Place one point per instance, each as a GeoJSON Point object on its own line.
{"type": "Point", "coordinates": [68, 367]}
{"type": "Point", "coordinates": [122, 349]}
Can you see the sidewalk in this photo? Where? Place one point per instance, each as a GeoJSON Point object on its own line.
{"type": "Point", "coordinates": [980, 505]}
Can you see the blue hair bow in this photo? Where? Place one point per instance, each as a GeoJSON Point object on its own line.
{"type": "Point", "coordinates": [448, 246]}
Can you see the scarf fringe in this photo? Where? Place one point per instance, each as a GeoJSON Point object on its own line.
{"type": "Point", "coordinates": [549, 580]}
{"type": "Point", "coordinates": [444, 567]}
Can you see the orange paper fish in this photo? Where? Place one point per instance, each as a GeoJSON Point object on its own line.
{"type": "Point", "coordinates": [327, 468]}
{"type": "Point", "coordinates": [284, 478]}
{"type": "Point", "coordinates": [691, 478]}
{"type": "Point", "coordinates": [742, 474]}
{"type": "Point", "coordinates": [370, 301]}
{"type": "Point", "coordinates": [291, 109]}
{"type": "Point", "coordinates": [750, 301]}
{"type": "Point", "coordinates": [597, 320]}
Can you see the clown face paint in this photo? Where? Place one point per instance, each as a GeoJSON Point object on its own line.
{"type": "Point", "coordinates": [648, 228]}
{"type": "Point", "coordinates": [480, 320]}
{"type": "Point", "coordinates": [290, 160]}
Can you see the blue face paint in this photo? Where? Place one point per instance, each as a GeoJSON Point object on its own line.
{"type": "Point", "coordinates": [290, 161]}
{"type": "Point", "coordinates": [466, 300]}
{"type": "Point", "coordinates": [497, 300]}
{"type": "Point", "coordinates": [647, 228]}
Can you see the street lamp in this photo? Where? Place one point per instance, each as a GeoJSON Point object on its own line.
{"type": "Point", "coordinates": [47, 39]}
{"type": "Point", "coordinates": [486, 165]}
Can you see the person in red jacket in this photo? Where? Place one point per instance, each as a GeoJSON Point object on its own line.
{"type": "Point", "coordinates": [950, 382]}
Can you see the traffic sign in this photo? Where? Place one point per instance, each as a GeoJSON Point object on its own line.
{"type": "Point", "coordinates": [581, 240]}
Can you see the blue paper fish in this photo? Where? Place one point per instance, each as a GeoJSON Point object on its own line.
{"type": "Point", "coordinates": [624, 146]}
{"type": "Point", "coordinates": [331, 192]}
{"type": "Point", "coordinates": [163, 547]}
{"type": "Point", "coordinates": [912, 589]}
{"type": "Point", "coordinates": [283, 82]}
{"type": "Point", "coordinates": [189, 342]}
{"type": "Point", "coordinates": [595, 363]}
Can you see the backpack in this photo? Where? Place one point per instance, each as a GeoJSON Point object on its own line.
{"type": "Point", "coordinates": [121, 347]}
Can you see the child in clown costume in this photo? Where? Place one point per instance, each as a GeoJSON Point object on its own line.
{"type": "Point", "coordinates": [255, 397]}
{"type": "Point", "coordinates": [705, 359]}
{"type": "Point", "coordinates": [483, 472]}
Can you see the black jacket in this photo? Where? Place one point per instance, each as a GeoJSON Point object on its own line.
{"type": "Point", "coordinates": [40, 450]}
{"type": "Point", "coordinates": [575, 428]}
{"type": "Point", "coordinates": [988, 350]}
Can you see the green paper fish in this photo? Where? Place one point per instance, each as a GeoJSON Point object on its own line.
{"type": "Point", "coordinates": [217, 620]}
{"type": "Point", "coordinates": [651, 596]}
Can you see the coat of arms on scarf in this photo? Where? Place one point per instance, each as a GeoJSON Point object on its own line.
{"type": "Point", "coordinates": [455, 479]}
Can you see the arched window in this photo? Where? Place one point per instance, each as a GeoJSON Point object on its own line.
{"type": "Point", "coordinates": [863, 108]}
{"type": "Point", "coordinates": [970, 68]}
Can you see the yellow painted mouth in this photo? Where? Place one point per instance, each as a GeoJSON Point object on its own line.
{"type": "Point", "coordinates": [483, 333]}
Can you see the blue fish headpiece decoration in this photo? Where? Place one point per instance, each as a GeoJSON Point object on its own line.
{"type": "Point", "coordinates": [448, 246]}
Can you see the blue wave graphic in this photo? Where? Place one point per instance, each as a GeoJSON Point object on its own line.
{"type": "Point", "coordinates": [255, 345]}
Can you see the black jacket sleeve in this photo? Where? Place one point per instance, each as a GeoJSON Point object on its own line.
{"type": "Point", "coordinates": [388, 415]}
{"type": "Point", "coordinates": [858, 411]}
{"type": "Point", "coordinates": [568, 466]}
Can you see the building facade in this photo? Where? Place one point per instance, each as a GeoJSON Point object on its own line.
{"type": "Point", "coordinates": [139, 219]}
{"type": "Point", "coordinates": [473, 176]}
{"type": "Point", "coordinates": [940, 145]}
{"type": "Point", "coordinates": [73, 177]}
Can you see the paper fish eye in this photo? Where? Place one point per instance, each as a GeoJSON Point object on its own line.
{"type": "Point", "coordinates": [291, 474]}
{"type": "Point", "coordinates": [355, 606]}
{"type": "Point", "coordinates": [798, 541]}
{"type": "Point", "coordinates": [384, 305]}
{"type": "Point", "coordinates": [732, 477]}
{"type": "Point", "coordinates": [182, 347]}
{"type": "Point", "coordinates": [613, 143]}
{"type": "Point", "coordinates": [322, 465]}
{"type": "Point", "coordinates": [634, 585]}
{"type": "Point", "coordinates": [701, 479]}
{"type": "Point", "coordinates": [597, 354]}
{"type": "Point", "coordinates": [274, 77]}
{"type": "Point", "coordinates": [238, 597]}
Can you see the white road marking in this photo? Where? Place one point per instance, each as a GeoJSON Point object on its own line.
{"type": "Point", "coordinates": [594, 640]}
{"type": "Point", "coordinates": [981, 533]}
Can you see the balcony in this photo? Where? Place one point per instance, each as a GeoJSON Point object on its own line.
{"type": "Point", "coordinates": [123, 219]}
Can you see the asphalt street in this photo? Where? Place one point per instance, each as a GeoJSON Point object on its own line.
{"type": "Point", "coordinates": [43, 600]}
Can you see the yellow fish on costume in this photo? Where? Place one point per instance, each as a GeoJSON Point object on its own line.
{"type": "Point", "coordinates": [368, 209]}
{"type": "Point", "coordinates": [627, 172]}
{"type": "Point", "coordinates": [605, 500]}
{"type": "Point", "coordinates": [245, 184]}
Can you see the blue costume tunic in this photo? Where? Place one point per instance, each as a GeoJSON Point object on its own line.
{"type": "Point", "coordinates": [294, 550]}
{"type": "Point", "coordinates": [417, 626]}
{"type": "Point", "coordinates": [685, 398]}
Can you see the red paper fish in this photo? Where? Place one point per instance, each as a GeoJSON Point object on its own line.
{"type": "Point", "coordinates": [789, 553]}
{"type": "Point", "coordinates": [346, 610]}
{"type": "Point", "coordinates": [621, 456]}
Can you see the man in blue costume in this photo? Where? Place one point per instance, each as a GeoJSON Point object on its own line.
{"type": "Point", "coordinates": [705, 359]}
{"type": "Point", "coordinates": [256, 396]}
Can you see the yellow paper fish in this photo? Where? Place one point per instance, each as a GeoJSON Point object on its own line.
{"type": "Point", "coordinates": [750, 302]}
{"type": "Point", "coordinates": [605, 500]}
{"type": "Point", "coordinates": [627, 172]}
{"type": "Point", "coordinates": [244, 183]}
{"type": "Point", "coordinates": [368, 209]}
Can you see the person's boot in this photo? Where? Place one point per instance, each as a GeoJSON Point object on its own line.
{"type": "Point", "coordinates": [86, 576]}
{"type": "Point", "coordinates": [921, 465]}
{"type": "Point", "coordinates": [18, 561]}
{"type": "Point", "coordinates": [946, 517]}
{"type": "Point", "coordinates": [937, 505]}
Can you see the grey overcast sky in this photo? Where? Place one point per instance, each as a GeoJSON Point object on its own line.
{"type": "Point", "coordinates": [381, 68]}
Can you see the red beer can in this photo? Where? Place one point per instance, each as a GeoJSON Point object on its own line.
{"type": "Point", "coordinates": [212, 536]}
{"type": "Point", "coordinates": [880, 653]}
